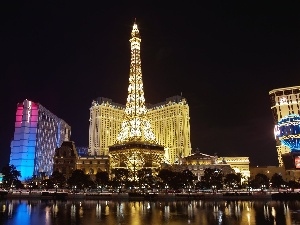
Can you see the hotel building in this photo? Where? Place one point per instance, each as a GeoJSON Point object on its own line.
{"type": "Point", "coordinates": [38, 132]}
{"type": "Point", "coordinates": [284, 102]}
{"type": "Point", "coordinates": [169, 121]}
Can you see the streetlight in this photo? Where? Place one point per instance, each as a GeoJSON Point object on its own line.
{"type": "Point", "coordinates": [213, 188]}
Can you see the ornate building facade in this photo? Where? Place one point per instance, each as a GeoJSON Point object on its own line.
{"type": "Point", "coordinates": [284, 102]}
{"type": "Point", "coordinates": [198, 162]}
{"type": "Point", "coordinates": [38, 132]}
{"type": "Point", "coordinates": [238, 164]}
{"type": "Point", "coordinates": [67, 159]}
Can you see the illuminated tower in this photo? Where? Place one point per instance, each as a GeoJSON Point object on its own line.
{"type": "Point", "coordinates": [38, 132]}
{"type": "Point", "coordinates": [285, 106]}
{"type": "Point", "coordinates": [136, 146]}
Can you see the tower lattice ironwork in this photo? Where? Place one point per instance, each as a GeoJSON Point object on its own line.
{"type": "Point", "coordinates": [136, 146]}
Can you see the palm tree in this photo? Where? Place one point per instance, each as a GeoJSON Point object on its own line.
{"type": "Point", "coordinates": [102, 179]}
{"type": "Point", "coordinates": [10, 175]}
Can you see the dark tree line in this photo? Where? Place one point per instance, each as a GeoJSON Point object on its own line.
{"type": "Point", "coordinates": [145, 179]}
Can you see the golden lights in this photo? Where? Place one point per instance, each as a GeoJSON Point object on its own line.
{"type": "Point", "coordinates": [136, 125]}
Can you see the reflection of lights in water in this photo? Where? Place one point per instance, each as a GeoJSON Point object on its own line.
{"type": "Point", "coordinates": [29, 209]}
{"type": "Point", "coordinates": [55, 210]}
{"type": "Point", "coordinates": [248, 214]}
{"type": "Point", "coordinates": [249, 218]}
{"type": "Point", "coordinates": [220, 216]}
{"type": "Point", "coordinates": [98, 210]}
{"type": "Point", "coordinates": [106, 210]}
{"type": "Point", "coordinates": [167, 212]}
{"type": "Point", "coordinates": [10, 209]}
{"type": "Point", "coordinates": [200, 203]}
{"type": "Point", "coordinates": [287, 213]}
{"type": "Point", "coordinates": [120, 209]}
{"type": "Point", "coordinates": [215, 210]}
{"type": "Point", "coordinates": [227, 210]}
{"type": "Point", "coordinates": [273, 212]}
{"type": "Point", "coordinates": [237, 210]}
{"type": "Point", "coordinates": [148, 206]}
{"type": "Point", "coordinates": [133, 209]}
{"type": "Point", "coordinates": [266, 212]}
{"type": "Point", "coordinates": [73, 211]}
{"type": "Point", "coordinates": [190, 211]}
{"type": "Point", "coordinates": [3, 208]}
{"type": "Point", "coordinates": [143, 208]}
{"type": "Point", "coordinates": [47, 215]}
{"type": "Point", "coordinates": [286, 208]}
{"type": "Point", "coordinates": [81, 211]}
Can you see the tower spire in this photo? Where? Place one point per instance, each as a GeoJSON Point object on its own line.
{"type": "Point", "coordinates": [135, 126]}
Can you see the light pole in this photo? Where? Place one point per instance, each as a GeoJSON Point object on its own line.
{"type": "Point", "coordinates": [213, 188]}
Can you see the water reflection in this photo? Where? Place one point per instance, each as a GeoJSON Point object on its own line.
{"type": "Point", "coordinates": [144, 212]}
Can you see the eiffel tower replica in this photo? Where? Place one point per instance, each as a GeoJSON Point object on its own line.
{"type": "Point", "coordinates": [136, 146]}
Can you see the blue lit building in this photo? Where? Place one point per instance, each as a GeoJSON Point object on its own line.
{"type": "Point", "coordinates": [288, 132]}
{"type": "Point", "coordinates": [285, 106]}
{"type": "Point", "coordinates": [38, 132]}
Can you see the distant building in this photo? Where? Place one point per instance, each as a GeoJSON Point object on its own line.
{"type": "Point", "coordinates": [198, 162]}
{"type": "Point", "coordinates": [38, 132]}
{"type": "Point", "coordinates": [82, 151]}
{"type": "Point", "coordinates": [67, 159]}
{"type": "Point", "coordinates": [93, 164]}
{"type": "Point", "coordinates": [239, 164]}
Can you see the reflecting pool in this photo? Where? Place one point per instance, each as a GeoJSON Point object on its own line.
{"type": "Point", "coordinates": [89, 212]}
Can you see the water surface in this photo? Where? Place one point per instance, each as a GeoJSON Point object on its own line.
{"type": "Point", "coordinates": [89, 212]}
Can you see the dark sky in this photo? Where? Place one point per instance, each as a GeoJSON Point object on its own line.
{"type": "Point", "coordinates": [223, 57]}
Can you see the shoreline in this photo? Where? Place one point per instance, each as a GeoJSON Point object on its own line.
{"type": "Point", "coordinates": [137, 196]}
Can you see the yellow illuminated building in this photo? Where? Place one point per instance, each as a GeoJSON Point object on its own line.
{"type": "Point", "coordinates": [171, 124]}
{"type": "Point", "coordinates": [238, 164]}
{"type": "Point", "coordinates": [105, 124]}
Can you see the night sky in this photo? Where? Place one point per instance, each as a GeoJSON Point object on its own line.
{"type": "Point", "coordinates": [223, 57]}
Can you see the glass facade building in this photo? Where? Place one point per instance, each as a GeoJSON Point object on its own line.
{"type": "Point", "coordinates": [38, 132]}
